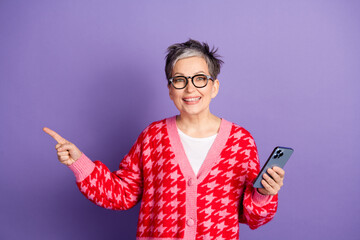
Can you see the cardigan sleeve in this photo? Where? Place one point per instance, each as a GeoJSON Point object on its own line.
{"type": "Point", "coordinates": [256, 209]}
{"type": "Point", "coordinates": [118, 190]}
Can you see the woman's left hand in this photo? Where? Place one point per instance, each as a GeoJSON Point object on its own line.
{"type": "Point", "coordinates": [272, 184]}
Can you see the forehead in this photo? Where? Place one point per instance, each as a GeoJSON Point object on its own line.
{"type": "Point", "coordinates": [190, 65]}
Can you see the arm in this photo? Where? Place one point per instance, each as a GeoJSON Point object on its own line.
{"type": "Point", "coordinates": [257, 209]}
{"type": "Point", "coordinates": [117, 190]}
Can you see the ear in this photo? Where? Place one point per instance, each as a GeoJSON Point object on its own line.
{"type": "Point", "coordinates": [215, 88]}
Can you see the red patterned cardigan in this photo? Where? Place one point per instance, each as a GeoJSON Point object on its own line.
{"type": "Point", "coordinates": [177, 204]}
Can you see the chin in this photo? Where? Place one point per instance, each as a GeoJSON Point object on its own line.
{"type": "Point", "coordinates": [194, 112]}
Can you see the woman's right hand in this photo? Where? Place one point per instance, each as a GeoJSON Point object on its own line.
{"type": "Point", "coordinates": [67, 152]}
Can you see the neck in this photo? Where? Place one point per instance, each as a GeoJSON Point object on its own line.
{"type": "Point", "coordinates": [198, 126]}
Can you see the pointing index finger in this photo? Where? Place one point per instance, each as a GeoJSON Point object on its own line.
{"type": "Point", "coordinates": [54, 135]}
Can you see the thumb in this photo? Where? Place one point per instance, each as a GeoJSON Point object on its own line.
{"type": "Point", "coordinates": [74, 152]}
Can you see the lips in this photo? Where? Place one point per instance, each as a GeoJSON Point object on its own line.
{"type": "Point", "coordinates": [191, 99]}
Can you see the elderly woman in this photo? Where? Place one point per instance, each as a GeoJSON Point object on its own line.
{"type": "Point", "coordinates": [192, 172]}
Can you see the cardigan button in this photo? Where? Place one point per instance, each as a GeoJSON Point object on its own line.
{"type": "Point", "coordinates": [190, 182]}
{"type": "Point", "coordinates": [190, 222]}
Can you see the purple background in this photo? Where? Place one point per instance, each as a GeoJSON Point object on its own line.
{"type": "Point", "coordinates": [93, 71]}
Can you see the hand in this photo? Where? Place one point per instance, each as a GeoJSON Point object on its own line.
{"type": "Point", "coordinates": [272, 184]}
{"type": "Point", "coordinates": [67, 152]}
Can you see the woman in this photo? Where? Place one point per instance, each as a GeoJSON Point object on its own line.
{"type": "Point", "coordinates": [193, 172]}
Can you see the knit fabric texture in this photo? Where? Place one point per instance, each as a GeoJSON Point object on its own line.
{"type": "Point", "coordinates": [176, 203]}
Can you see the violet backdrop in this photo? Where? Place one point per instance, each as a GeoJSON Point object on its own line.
{"type": "Point", "coordinates": [94, 72]}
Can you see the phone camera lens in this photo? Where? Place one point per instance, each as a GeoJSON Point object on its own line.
{"type": "Point", "coordinates": [278, 154]}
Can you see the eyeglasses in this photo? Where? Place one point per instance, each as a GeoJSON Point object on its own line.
{"type": "Point", "coordinates": [199, 81]}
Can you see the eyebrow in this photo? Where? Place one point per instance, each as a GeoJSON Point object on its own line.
{"type": "Point", "coordinates": [181, 74]}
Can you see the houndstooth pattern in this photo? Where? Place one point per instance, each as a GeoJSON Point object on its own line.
{"type": "Point", "coordinates": [225, 195]}
{"type": "Point", "coordinates": [150, 172]}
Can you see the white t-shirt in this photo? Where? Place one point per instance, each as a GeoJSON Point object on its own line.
{"type": "Point", "coordinates": [196, 149]}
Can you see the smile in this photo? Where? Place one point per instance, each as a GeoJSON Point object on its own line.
{"type": "Point", "coordinates": [191, 99]}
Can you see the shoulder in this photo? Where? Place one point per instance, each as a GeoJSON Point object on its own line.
{"type": "Point", "coordinates": [155, 127]}
{"type": "Point", "coordinates": [241, 137]}
{"type": "Point", "coordinates": [238, 131]}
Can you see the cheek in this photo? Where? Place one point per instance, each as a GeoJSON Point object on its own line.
{"type": "Point", "coordinates": [209, 93]}
{"type": "Point", "coordinates": [170, 94]}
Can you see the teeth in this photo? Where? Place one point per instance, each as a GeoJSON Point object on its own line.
{"type": "Point", "coordinates": [191, 99]}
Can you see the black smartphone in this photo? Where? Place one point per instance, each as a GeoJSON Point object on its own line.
{"type": "Point", "coordinates": [278, 157]}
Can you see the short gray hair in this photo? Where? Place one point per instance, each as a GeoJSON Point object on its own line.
{"type": "Point", "coordinates": [193, 48]}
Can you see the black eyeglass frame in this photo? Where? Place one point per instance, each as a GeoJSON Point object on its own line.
{"type": "Point", "coordinates": [170, 81]}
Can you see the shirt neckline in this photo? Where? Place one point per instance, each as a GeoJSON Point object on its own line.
{"type": "Point", "coordinates": [204, 139]}
{"type": "Point", "coordinates": [212, 156]}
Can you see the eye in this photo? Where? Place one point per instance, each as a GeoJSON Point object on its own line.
{"type": "Point", "coordinates": [200, 78]}
{"type": "Point", "coordinates": [178, 80]}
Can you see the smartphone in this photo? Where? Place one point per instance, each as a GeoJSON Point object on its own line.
{"type": "Point", "coordinates": [278, 157]}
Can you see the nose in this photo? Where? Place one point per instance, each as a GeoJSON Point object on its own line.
{"type": "Point", "coordinates": [190, 86]}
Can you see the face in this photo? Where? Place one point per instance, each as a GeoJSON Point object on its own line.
{"type": "Point", "coordinates": [191, 100]}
